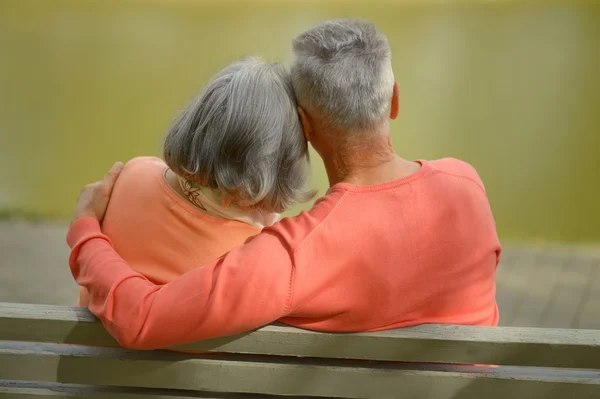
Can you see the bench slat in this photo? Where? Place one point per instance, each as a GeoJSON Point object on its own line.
{"type": "Point", "coordinates": [11, 389]}
{"type": "Point", "coordinates": [284, 376]}
{"type": "Point", "coordinates": [426, 343]}
{"type": "Point", "coordinates": [26, 393]}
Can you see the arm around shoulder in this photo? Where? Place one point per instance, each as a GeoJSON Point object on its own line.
{"type": "Point", "coordinates": [247, 288]}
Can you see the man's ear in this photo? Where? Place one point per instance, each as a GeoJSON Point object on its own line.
{"type": "Point", "coordinates": [395, 108]}
{"type": "Point", "coordinates": [306, 124]}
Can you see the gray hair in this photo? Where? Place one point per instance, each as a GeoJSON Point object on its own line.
{"type": "Point", "coordinates": [242, 135]}
{"type": "Point", "coordinates": [342, 69]}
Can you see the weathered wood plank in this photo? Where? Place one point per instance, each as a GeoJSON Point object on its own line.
{"type": "Point", "coordinates": [10, 389]}
{"type": "Point", "coordinates": [427, 343]}
{"type": "Point", "coordinates": [286, 376]}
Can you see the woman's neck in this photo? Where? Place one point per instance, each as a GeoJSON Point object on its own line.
{"type": "Point", "coordinates": [210, 201]}
{"type": "Point", "coordinates": [173, 181]}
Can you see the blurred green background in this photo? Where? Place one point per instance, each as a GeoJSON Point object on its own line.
{"type": "Point", "coordinates": [510, 86]}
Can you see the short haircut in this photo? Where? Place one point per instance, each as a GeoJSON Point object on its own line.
{"type": "Point", "coordinates": [242, 135]}
{"type": "Point", "coordinates": [342, 69]}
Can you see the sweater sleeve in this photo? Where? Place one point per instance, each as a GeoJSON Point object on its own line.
{"type": "Point", "coordinates": [247, 288]}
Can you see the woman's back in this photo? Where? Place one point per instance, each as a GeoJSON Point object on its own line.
{"type": "Point", "coordinates": [160, 234]}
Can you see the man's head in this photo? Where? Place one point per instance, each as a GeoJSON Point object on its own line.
{"type": "Point", "coordinates": [343, 80]}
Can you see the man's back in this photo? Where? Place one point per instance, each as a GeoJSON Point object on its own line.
{"type": "Point", "coordinates": [422, 249]}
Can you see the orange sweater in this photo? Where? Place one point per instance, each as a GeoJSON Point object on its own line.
{"type": "Point", "coordinates": [159, 234]}
{"type": "Point", "coordinates": [422, 249]}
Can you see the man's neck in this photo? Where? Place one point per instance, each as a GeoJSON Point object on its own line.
{"type": "Point", "coordinates": [370, 172]}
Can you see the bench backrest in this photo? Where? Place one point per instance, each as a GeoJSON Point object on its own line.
{"type": "Point", "coordinates": [280, 360]}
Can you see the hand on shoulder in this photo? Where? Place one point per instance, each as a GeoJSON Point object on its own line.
{"type": "Point", "coordinates": [94, 197]}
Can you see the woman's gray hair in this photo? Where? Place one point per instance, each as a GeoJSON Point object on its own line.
{"type": "Point", "coordinates": [242, 135]}
{"type": "Point", "coordinates": [343, 70]}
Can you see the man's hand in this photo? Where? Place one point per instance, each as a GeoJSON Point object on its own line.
{"type": "Point", "coordinates": [94, 197]}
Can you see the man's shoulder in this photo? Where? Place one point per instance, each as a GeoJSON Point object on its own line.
{"type": "Point", "coordinates": [457, 168]}
{"type": "Point", "coordinates": [294, 230]}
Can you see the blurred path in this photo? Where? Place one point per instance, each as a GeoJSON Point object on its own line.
{"type": "Point", "coordinates": [33, 264]}
{"type": "Point", "coordinates": [542, 286]}
{"type": "Point", "coordinates": [549, 286]}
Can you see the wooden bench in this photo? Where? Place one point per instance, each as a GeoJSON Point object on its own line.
{"type": "Point", "coordinates": [283, 361]}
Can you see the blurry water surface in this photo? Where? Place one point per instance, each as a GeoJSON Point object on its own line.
{"type": "Point", "coordinates": [510, 86]}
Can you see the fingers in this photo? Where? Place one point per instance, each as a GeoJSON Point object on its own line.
{"type": "Point", "coordinates": [111, 177]}
{"type": "Point", "coordinates": [113, 174]}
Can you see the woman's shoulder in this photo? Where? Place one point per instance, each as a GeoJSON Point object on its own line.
{"type": "Point", "coordinates": [144, 165]}
{"type": "Point", "coordinates": [137, 193]}
{"type": "Point", "coordinates": [139, 175]}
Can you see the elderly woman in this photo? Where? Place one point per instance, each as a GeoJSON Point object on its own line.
{"type": "Point", "coordinates": [233, 159]}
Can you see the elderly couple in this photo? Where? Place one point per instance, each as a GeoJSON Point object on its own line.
{"type": "Point", "coordinates": [192, 247]}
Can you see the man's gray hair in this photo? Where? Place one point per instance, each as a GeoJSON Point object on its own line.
{"type": "Point", "coordinates": [342, 69]}
{"type": "Point", "coordinates": [242, 135]}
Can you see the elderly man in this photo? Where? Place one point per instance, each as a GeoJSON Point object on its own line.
{"type": "Point", "coordinates": [393, 243]}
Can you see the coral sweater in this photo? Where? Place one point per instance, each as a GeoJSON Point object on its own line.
{"type": "Point", "coordinates": [421, 249]}
{"type": "Point", "coordinates": [160, 234]}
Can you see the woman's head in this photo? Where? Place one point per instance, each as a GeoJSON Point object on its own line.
{"type": "Point", "coordinates": [242, 135]}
